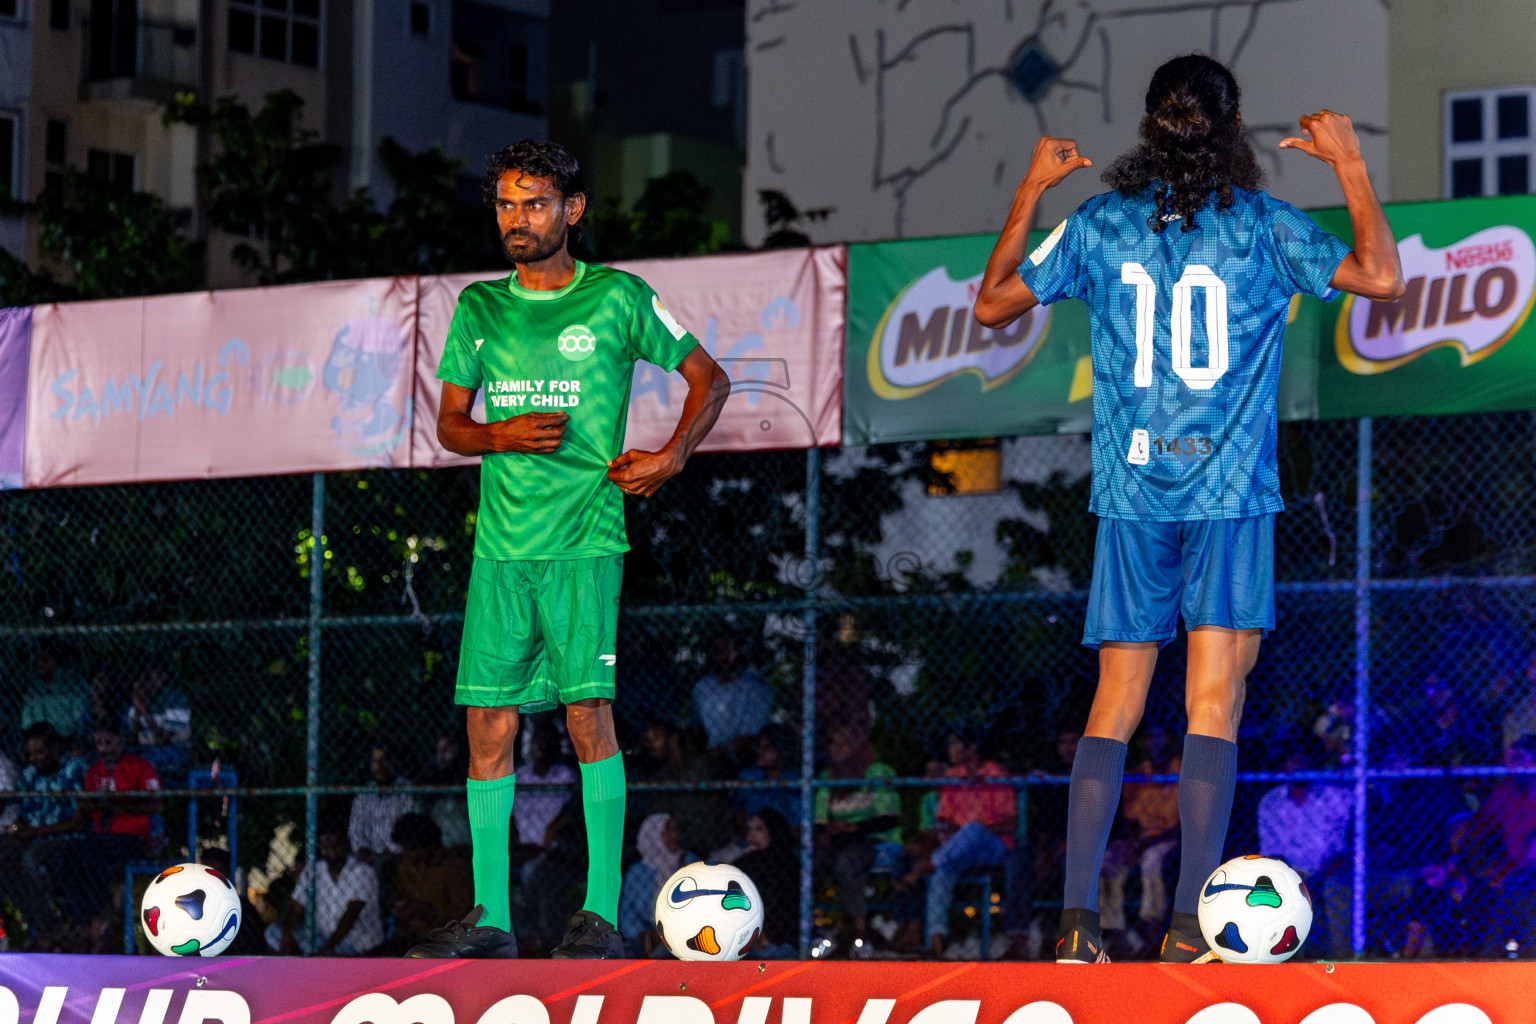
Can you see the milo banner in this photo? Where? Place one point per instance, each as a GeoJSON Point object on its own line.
{"type": "Point", "coordinates": [1459, 339]}
{"type": "Point", "coordinates": [919, 367]}
{"type": "Point", "coordinates": [298, 379]}
{"type": "Point", "coordinates": [773, 321]}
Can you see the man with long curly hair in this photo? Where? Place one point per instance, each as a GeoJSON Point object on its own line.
{"type": "Point", "coordinates": [1188, 270]}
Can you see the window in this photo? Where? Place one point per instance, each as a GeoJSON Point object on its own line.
{"type": "Point", "coordinates": [1489, 145]}
{"type": "Point", "coordinates": [109, 168]}
{"type": "Point", "coordinates": [497, 58]}
{"type": "Point", "coordinates": [285, 30]}
{"type": "Point", "coordinates": [421, 20]}
{"type": "Point", "coordinates": [55, 139]}
{"type": "Point", "coordinates": [8, 8]}
{"type": "Point", "coordinates": [8, 147]}
{"type": "Point", "coordinates": [58, 15]}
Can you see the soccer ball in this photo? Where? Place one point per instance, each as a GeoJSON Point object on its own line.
{"type": "Point", "coordinates": [1255, 910]}
{"type": "Point", "coordinates": [190, 910]}
{"type": "Point", "coordinates": [709, 911]}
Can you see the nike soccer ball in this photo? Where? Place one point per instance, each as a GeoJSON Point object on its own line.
{"type": "Point", "coordinates": [709, 912]}
{"type": "Point", "coordinates": [190, 910]}
{"type": "Point", "coordinates": [1255, 910]}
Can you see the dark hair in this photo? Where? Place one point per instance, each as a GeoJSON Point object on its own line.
{"type": "Point", "coordinates": [1193, 143]}
{"type": "Point", "coordinates": [537, 160]}
{"type": "Point", "coordinates": [42, 731]}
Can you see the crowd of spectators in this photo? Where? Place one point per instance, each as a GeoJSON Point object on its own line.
{"type": "Point", "coordinates": [897, 870]}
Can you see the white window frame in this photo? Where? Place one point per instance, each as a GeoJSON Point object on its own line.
{"type": "Point", "coordinates": [1490, 147]}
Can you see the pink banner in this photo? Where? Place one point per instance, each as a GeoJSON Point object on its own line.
{"type": "Point", "coordinates": [773, 320]}
{"type": "Point", "coordinates": [258, 381]}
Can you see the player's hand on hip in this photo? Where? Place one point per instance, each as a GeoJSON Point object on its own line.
{"type": "Point", "coordinates": [1328, 136]}
{"type": "Point", "coordinates": [1052, 161]}
{"type": "Point", "coordinates": [534, 432]}
{"type": "Point", "coordinates": [642, 473]}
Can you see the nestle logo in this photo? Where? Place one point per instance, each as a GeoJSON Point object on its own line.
{"type": "Point", "coordinates": [1472, 296]}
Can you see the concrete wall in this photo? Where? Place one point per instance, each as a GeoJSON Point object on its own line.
{"type": "Point", "coordinates": [1440, 47]}
{"type": "Point", "coordinates": [902, 116]}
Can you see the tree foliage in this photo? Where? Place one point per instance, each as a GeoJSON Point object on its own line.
{"type": "Point", "coordinates": [667, 220]}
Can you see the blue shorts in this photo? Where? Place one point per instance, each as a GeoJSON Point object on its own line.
{"type": "Point", "coordinates": [1217, 572]}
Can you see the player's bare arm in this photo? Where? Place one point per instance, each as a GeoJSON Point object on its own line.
{"type": "Point", "coordinates": [1003, 297]}
{"type": "Point", "coordinates": [534, 432]}
{"type": "Point", "coordinates": [1373, 270]}
{"type": "Point", "coordinates": [642, 473]}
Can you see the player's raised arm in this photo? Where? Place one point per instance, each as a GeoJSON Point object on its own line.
{"type": "Point", "coordinates": [457, 431]}
{"type": "Point", "coordinates": [642, 473]}
{"type": "Point", "coordinates": [1003, 296]}
{"type": "Point", "coordinates": [1373, 270]}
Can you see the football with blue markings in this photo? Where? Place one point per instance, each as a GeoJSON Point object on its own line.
{"type": "Point", "coordinates": [190, 910]}
{"type": "Point", "coordinates": [1255, 910]}
{"type": "Point", "coordinates": [708, 911]}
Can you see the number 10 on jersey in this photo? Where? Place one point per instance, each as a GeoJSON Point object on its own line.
{"type": "Point", "coordinates": [1198, 378]}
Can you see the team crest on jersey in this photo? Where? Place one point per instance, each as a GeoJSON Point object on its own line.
{"type": "Point", "coordinates": [929, 335]}
{"type": "Point", "coordinates": [577, 342]}
{"type": "Point", "coordinates": [1473, 296]}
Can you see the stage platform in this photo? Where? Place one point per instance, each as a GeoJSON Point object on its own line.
{"type": "Point", "coordinates": [63, 989]}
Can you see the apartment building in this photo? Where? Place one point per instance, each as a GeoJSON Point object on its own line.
{"type": "Point", "coordinates": [15, 87]}
{"type": "Point", "coordinates": [464, 74]}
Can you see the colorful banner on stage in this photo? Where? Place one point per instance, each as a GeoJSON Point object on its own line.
{"type": "Point", "coordinates": [299, 379]}
{"type": "Point", "coordinates": [62, 989]}
{"type": "Point", "coordinates": [1460, 338]}
{"type": "Point", "coordinates": [919, 367]}
{"type": "Point", "coordinates": [15, 343]}
{"type": "Point", "coordinates": [773, 321]}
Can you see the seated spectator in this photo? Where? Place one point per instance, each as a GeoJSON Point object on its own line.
{"type": "Point", "coordinates": [661, 854]}
{"type": "Point", "coordinates": [851, 820]}
{"type": "Point", "coordinates": [56, 694]}
{"type": "Point", "coordinates": [1497, 838]}
{"type": "Point", "coordinates": [1306, 824]}
{"type": "Point", "coordinates": [122, 828]}
{"type": "Point", "coordinates": [249, 940]}
{"type": "Point", "coordinates": [1450, 738]}
{"type": "Point", "coordinates": [159, 720]}
{"type": "Point", "coordinates": [347, 920]}
{"type": "Point", "coordinates": [432, 884]}
{"type": "Point", "coordinates": [975, 830]}
{"type": "Point", "coordinates": [1520, 719]}
{"type": "Point", "coordinates": [731, 703]}
{"type": "Point", "coordinates": [772, 861]}
{"type": "Point", "coordinates": [536, 809]}
{"type": "Point", "coordinates": [47, 819]}
{"type": "Point", "coordinates": [703, 817]}
{"type": "Point", "coordinates": [374, 814]}
{"type": "Point", "coordinates": [769, 766]}
{"type": "Point", "coordinates": [1149, 826]}
{"type": "Point", "coordinates": [449, 767]}
{"type": "Point", "coordinates": [842, 685]}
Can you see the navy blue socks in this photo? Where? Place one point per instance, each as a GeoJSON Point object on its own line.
{"type": "Point", "coordinates": [1096, 773]}
{"type": "Point", "coordinates": [1206, 782]}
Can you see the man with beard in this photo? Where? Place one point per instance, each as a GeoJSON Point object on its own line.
{"type": "Point", "coordinates": [554, 346]}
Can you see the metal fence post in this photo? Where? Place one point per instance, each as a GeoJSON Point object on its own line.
{"type": "Point", "coordinates": [312, 705]}
{"type": "Point", "coordinates": [1362, 680]}
{"type": "Point", "coordinates": [808, 693]}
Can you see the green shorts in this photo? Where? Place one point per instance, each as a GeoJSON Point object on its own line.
{"type": "Point", "coordinates": [539, 633]}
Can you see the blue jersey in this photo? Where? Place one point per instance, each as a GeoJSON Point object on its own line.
{"type": "Point", "coordinates": [1186, 346]}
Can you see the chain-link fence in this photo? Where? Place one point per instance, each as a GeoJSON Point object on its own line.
{"type": "Point", "coordinates": [828, 664]}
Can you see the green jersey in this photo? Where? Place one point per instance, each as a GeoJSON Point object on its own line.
{"type": "Point", "coordinates": [570, 350]}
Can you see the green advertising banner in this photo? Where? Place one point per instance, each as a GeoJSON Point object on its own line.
{"type": "Point", "coordinates": [1459, 339]}
{"type": "Point", "coordinates": [918, 367]}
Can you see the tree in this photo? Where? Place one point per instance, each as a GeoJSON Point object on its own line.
{"type": "Point", "coordinates": [111, 242]}
{"type": "Point", "coordinates": [428, 229]}
{"type": "Point", "coordinates": [781, 216]}
{"type": "Point", "coordinates": [667, 220]}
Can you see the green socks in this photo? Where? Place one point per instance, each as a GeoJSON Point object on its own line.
{"type": "Point", "coordinates": [602, 801]}
{"type": "Point", "coordinates": [490, 832]}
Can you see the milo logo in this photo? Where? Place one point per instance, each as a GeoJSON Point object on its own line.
{"type": "Point", "coordinates": [1472, 296]}
{"type": "Point", "coordinates": [929, 335]}
{"type": "Point", "coordinates": [577, 342]}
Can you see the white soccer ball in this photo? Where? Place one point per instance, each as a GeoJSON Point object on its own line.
{"type": "Point", "coordinates": [190, 910]}
{"type": "Point", "coordinates": [1255, 910]}
{"type": "Point", "coordinates": [709, 911]}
